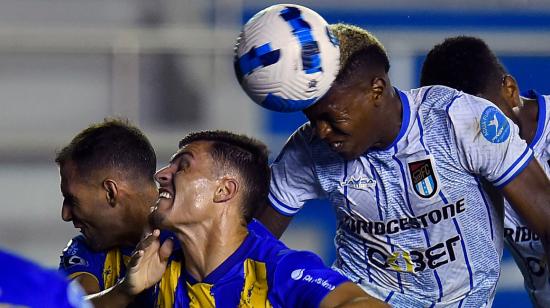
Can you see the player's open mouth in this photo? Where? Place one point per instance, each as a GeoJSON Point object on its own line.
{"type": "Point", "coordinates": [165, 195]}
{"type": "Point", "coordinates": [336, 146]}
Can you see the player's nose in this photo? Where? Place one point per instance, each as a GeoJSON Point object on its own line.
{"type": "Point", "coordinates": [66, 213]}
{"type": "Point", "coordinates": [163, 175]}
{"type": "Point", "coordinates": [322, 129]}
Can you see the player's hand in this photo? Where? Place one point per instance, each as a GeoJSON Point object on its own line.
{"type": "Point", "coordinates": [147, 263]}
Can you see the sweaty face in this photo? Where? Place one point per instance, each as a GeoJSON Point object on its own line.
{"type": "Point", "coordinates": [186, 187]}
{"type": "Point", "coordinates": [85, 204]}
{"type": "Point", "coordinates": [345, 120]}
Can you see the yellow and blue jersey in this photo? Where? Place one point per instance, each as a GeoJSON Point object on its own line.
{"type": "Point", "coordinates": [25, 284]}
{"type": "Point", "coordinates": [262, 272]}
{"type": "Point", "coordinates": [107, 267]}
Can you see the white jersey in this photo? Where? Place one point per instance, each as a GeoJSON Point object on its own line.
{"type": "Point", "coordinates": [415, 227]}
{"type": "Point", "coordinates": [524, 244]}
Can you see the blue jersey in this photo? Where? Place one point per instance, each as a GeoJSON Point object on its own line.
{"type": "Point", "coordinates": [415, 226]}
{"type": "Point", "coordinates": [262, 272]}
{"type": "Point", "coordinates": [24, 284]}
{"type": "Point", "coordinates": [107, 267]}
{"type": "Point", "coordinates": [524, 244]}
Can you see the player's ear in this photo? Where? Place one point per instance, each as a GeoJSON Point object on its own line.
{"type": "Point", "coordinates": [378, 86]}
{"type": "Point", "coordinates": [510, 91]}
{"type": "Point", "coordinates": [111, 191]}
{"type": "Point", "coordinates": [227, 189]}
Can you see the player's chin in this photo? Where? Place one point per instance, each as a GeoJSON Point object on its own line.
{"type": "Point", "coordinates": [349, 154]}
{"type": "Point", "coordinates": [159, 220]}
{"type": "Point", "coordinates": [96, 245]}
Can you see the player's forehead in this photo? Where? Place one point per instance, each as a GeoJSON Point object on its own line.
{"type": "Point", "coordinates": [192, 150]}
{"type": "Point", "coordinates": [331, 103]}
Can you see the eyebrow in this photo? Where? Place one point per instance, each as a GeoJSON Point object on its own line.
{"type": "Point", "coordinates": [180, 154]}
{"type": "Point", "coordinates": [69, 197]}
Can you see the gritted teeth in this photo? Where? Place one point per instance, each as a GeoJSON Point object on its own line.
{"type": "Point", "coordinates": [165, 195]}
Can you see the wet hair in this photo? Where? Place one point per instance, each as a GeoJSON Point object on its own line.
{"type": "Point", "coordinates": [464, 63]}
{"type": "Point", "coordinates": [360, 52]}
{"type": "Point", "coordinates": [111, 144]}
{"type": "Point", "coordinates": [249, 157]}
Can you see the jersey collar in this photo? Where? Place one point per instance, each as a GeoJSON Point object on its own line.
{"type": "Point", "coordinates": [532, 94]}
{"type": "Point", "coordinates": [405, 115]}
{"type": "Point", "coordinates": [237, 257]}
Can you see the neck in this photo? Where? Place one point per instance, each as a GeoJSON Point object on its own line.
{"type": "Point", "coordinates": [138, 219]}
{"type": "Point", "coordinates": [392, 119]}
{"type": "Point", "coordinates": [208, 244]}
{"type": "Point", "coordinates": [527, 119]}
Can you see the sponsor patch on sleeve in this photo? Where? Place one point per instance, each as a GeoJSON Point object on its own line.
{"type": "Point", "coordinates": [494, 125]}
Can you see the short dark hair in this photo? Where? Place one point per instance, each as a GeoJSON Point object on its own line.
{"type": "Point", "coordinates": [113, 144]}
{"type": "Point", "coordinates": [360, 50]}
{"type": "Point", "coordinates": [248, 156]}
{"type": "Point", "coordinates": [465, 63]}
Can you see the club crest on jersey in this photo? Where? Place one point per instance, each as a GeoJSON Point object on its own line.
{"type": "Point", "coordinates": [423, 178]}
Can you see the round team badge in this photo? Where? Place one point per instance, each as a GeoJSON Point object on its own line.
{"type": "Point", "coordinates": [494, 125]}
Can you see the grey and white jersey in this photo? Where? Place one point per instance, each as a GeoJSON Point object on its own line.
{"type": "Point", "coordinates": [415, 226]}
{"type": "Point", "coordinates": [524, 244]}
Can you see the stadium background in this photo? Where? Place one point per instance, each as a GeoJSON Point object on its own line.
{"type": "Point", "coordinates": [167, 66]}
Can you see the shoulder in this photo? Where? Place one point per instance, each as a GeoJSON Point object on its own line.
{"type": "Point", "coordinates": [299, 140]}
{"type": "Point", "coordinates": [258, 228]}
{"type": "Point", "coordinates": [77, 252]}
{"type": "Point", "coordinates": [78, 258]}
{"type": "Point", "coordinates": [434, 96]}
{"type": "Point", "coordinates": [276, 254]}
{"type": "Point", "coordinates": [75, 245]}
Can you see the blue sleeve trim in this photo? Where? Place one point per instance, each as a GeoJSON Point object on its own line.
{"type": "Point", "coordinates": [518, 170]}
{"type": "Point", "coordinates": [514, 170]}
{"type": "Point", "coordinates": [280, 207]}
{"type": "Point", "coordinates": [541, 119]}
{"type": "Point", "coordinates": [389, 296]}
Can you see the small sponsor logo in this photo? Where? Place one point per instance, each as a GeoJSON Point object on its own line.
{"type": "Point", "coordinates": [297, 274]}
{"type": "Point", "coordinates": [71, 248]}
{"type": "Point", "coordinates": [70, 261]}
{"type": "Point", "coordinates": [358, 181]}
{"type": "Point", "coordinates": [494, 125]}
{"type": "Point", "coordinates": [423, 178]}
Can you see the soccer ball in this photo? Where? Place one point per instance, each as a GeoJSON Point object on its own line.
{"type": "Point", "coordinates": [286, 57]}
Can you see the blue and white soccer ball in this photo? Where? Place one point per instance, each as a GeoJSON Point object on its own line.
{"type": "Point", "coordinates": [286, 57]}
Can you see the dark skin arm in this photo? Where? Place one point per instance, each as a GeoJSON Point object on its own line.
{"type": "Point", "coordinates": [349, 295]}
{"type": "Point", "coordinates": [529, 194]}
{"type": "Point", "coordinates": [272, 220]}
